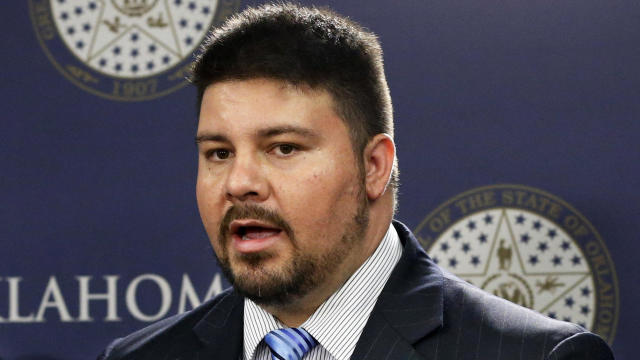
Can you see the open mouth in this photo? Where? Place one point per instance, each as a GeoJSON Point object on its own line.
{"type": "Point", "coordinates": [256, 232]}
{"type": "Point", "coordinates": [252, 235]}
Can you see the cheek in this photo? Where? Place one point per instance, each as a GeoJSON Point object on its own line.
{"type": "Point", "coordinates": [321, 202]}
{"type": "Point", "coordinates": [210, 204]}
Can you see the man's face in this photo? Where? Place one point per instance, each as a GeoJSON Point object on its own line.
{"type": "Point", "coordinates": [279, 188]}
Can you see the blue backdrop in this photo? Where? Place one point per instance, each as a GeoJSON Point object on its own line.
{"type": "Point", "coordinates": [98, 224]}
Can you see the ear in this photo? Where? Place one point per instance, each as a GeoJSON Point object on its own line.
{"type": "Point", "coordinates": [378, 163]}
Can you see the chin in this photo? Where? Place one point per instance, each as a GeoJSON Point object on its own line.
{"type": "Point", "coordinates": [270, 281]}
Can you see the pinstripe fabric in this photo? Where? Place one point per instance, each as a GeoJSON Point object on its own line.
{"type": "Point", "coordinates": [423, 313]}
{"type": "Point", "coordinates": [339, 321]}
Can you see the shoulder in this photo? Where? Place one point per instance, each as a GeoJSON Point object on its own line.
{"type": "Point", "coordinates": [501, 329]}
{"type": "Point", "coordinates": [474, 324]}
{"type": "Point", "coordinates": [177, 327]}
{"type": "Point", "coordinates": [583, 345]}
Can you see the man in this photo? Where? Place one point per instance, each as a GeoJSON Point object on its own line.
{"type": "Point", "coordinates": [296, 188]}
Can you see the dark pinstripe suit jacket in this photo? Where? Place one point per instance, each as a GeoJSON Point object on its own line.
{"type": "Point", "coordinates": [422, 313]}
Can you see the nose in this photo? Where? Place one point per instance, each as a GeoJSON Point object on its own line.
{"type": "Point", "coordinates": [246, 180]}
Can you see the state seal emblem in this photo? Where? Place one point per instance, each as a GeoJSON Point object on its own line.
{"type": "Point", "coordinates": [126, 50]}
{"type": "Point", "coordinates": [529, 247]}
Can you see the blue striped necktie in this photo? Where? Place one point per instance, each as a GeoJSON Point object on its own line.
{"type": "Point", "coordinates": [289, 343]}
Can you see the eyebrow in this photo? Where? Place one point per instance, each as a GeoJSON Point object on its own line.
{"type": "Point", "coordinates": [263, 133]}
{"type": "Point", "coordinates": [280, 130]}
{"type": "Point", "coordinates": [211, 137]}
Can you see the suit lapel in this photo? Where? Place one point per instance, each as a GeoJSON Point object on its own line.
{"type": "Point", "coordinates": [220, 330]}
{"type": "Point", "coordinates": [408, 309]}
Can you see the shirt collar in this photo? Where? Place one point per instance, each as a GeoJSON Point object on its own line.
{"type": "Point", "coordinates": [339, 321]}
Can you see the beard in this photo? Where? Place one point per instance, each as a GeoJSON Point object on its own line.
{"type": "Point", "coordinates": [302, 273]}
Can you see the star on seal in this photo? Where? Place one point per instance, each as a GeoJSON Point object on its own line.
{"type": "Point", "coordinates": [125, 49]}
{"type": "Point", "coordinates": [529, 247]}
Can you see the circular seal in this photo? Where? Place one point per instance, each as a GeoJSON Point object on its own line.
{"type": "Point", "coordinates": [530, 247]}
{"type": "Point", "coordinates": [128, 50]}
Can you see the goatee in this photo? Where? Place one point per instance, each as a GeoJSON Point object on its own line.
{"type": "Point", "coordinates": [303, 273]}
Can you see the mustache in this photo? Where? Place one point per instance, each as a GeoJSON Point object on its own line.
{"type": "Point", "coordinates": [252, 211]}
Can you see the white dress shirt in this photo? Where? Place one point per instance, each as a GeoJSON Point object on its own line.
{"type": "Point", "coordinates": [339, 321]}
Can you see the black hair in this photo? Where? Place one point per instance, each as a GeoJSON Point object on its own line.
{"type": "Point", "coordinates": [304, 46]}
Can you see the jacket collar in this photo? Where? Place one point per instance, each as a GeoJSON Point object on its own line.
{"type": "Point", "coordinates": [409, 308]}
{"type": "Point", "coordinates": [221, 328]}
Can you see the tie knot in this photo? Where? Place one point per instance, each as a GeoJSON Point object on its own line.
{"type": "Point", "coordinates": [289, 343]}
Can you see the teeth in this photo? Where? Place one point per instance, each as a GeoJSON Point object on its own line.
{"type": "Point", "coordinates": [250, 233]}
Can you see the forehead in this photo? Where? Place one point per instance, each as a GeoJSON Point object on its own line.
{"type": "Point", "coordinates": [256, 103]}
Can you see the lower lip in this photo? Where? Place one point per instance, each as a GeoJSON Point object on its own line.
{"type": "Point", "coordinates": [247, 246]}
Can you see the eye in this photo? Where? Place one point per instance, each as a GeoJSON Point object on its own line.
{"type": "Point", "coordinates": [285, 149]}
{"type": "Point", "coordinates": [218, 154]}
{"type": "Point", "coordinates": [222, 154]}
